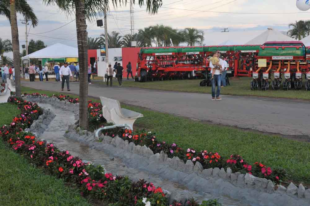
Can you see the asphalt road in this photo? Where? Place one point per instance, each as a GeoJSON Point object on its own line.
{"type": "Point", "coordinates": [279, 116]}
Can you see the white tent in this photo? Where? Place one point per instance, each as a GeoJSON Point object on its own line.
{"type": "Point", "coordinates": [228, 43]}
{"type": "Point", "coordinates": [269, 35]}
{"type": "Point", "coordinates": [55, 51]}
{"type": "Point", "coordinates": [306, 41]}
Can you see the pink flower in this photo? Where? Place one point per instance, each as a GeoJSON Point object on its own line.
{"type": "Point", "coordinates": [71, 171]}
{"type": "Point", "coordinates": [188, 150]}
{"type": "Point", "coordinates": [249, 168]}
{"type": "Point", "coordinates": [277, 178]}
{"type": "Point", "coordinates": [67, 152]}
{"type": "Point", "coordinates": [32, 147]}
{"type": "Point", "coordinates": [52, 145]}
{"type": "Point", "coordinates": [269, 171]}
{"type": "Point", "coordinates": [69, 158]}
{"type": "Point", "coordinates": [171, 151]}
{"type": "Point", "coordinates": [194, 159]}
{"type": "Point", "coordinates": [100, 185]}
{"type": "Point", "coordinates": [51, 158]}
{"type": "Point", "coordinates": [263, 170]}
{"type": "Point", "coordinates": [241, 161]}
{"type": "Point", "coordinates": [74, 165]}
{"type": "Point", "coordinates": [89, 188]}
{"type": "Point", "coordinates": [31, 156]}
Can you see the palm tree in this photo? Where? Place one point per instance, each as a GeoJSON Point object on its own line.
{"type": "Point", "coordinates": [114, 39]}
{"type": "Point", "coordinates": [9, 9]}
{"type": "Point", "coordinates": [144, 37]}
{"type": "Point", "coordinates": [193, 36]}
{"type": "Point", "coordinates": [127, 39]}
{"type": "Point", "coordinates": [87, 9]}
{"type": "Point", "coordinates": [298, 30]}
{"type": "Point", "coordinates": [94, 43]}
{"type": "Point", "coordinates": [5, 46]}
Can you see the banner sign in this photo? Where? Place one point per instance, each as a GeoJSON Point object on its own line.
{"type": "Point", "coordinates": [282, 58]}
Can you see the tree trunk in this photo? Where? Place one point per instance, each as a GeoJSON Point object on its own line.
{"type": "Point", "coordinates": [81, 28]}
{"type": "Point", "coordinates": [15, 44]}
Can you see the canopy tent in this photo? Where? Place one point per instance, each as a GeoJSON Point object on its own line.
{"type": "Point", "coordinates": [54, 52]}
{"type": "Point", "coordinates": [228, 43]}
{"type": "Point", "coordinates": [269, 35]}
{"type": "Point", "coordinates": [306, 41]}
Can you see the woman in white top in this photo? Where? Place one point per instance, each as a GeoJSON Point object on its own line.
{"type": "Point", "coordinates": [46, 72]}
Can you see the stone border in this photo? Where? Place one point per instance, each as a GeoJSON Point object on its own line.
{"type": "Point", "coordinates": [259, 187]}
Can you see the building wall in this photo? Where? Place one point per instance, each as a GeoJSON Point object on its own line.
{"type": "Point", "coordinates": [130, 55]}
{"type": "Point", "coordinates": [92, 53]}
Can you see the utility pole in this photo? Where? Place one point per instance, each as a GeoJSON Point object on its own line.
{"type": "Point", "coordinates": [106, 38]}
{"type": "Point", "coordinates": [26, 32]}
{"type": "Point", "coordinates": [132, 20]}
{"type": "Point", "coordinates": [225, 30]}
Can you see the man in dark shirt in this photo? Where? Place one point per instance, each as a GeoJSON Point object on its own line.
{"type": "Point", "coordinates": [119, 73]}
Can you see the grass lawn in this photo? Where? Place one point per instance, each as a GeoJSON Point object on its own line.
{"type": "Point", "coordinates": [22, 184]}
{"type": "Point", "coordinates": [240, 86]}
{"type": "Point", "coordinates": [272, 150]}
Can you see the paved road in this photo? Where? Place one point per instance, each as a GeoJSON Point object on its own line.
{"type": "Point", "coordinates": [286, 117]}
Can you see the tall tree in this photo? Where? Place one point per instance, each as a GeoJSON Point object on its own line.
{"type": "Point", "coordinates": [298, 30]}
{"type": "Point", "coordinates": [87, 9]}
{"type": "Point", "coordinates": [144, 37]}
{"type": "Point", "coordinates": [9, 9]}
{"type": "Point", "coordinates": [35, 46]}
{"type": "Point", "coordinates": [5, 46]}
{"type": "Point", "coordinates": [127, 39]}
{"type": "Point", "coordinates": [94, 43]}
{"type": "Point", "coordinates": [193, 36]}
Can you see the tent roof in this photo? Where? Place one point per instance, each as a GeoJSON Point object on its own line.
{"type": "Point", "coordinates": [306, 40]}
{"type": "Point", "coordinates": [55, 51]}
{"type": "Point", "coordinates": [228, 42]}
{"type": "Point", "coordinates": [269, 35]}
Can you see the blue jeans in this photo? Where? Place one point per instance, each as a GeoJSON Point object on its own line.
{"type": "Point", "coordinates": [224, 78]}
{"type": "Point", "coordinates": [57, 76]}
{"type": "Point", "coordinates": [4, 76]}
{"type": "Point", "coordinates": [216, 78]}
{"type": "Point", "coordinates": [41, 76]}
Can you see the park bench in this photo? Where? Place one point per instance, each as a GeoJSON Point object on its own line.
{"type": "Point", "coordinates": [112, 112]}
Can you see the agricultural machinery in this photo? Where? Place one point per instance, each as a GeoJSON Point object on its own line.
{"type": "Point", "coordinates": [282, 59]}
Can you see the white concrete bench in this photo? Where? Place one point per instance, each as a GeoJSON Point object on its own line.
{"type": "Point", "coordinates": [112, 112]}
{"type": "Point", "coordinates": [6, 89]}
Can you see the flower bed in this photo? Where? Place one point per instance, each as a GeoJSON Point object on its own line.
{"type": "Point", "coordinates": [91, 179]}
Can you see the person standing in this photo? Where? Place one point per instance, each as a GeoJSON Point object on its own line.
{"type": "Point", "coordinates": [119, 74]}
{"type": "Point", "coordinates": [224, 72]}
{"type": "Point", "coordinates": [10, 72]}
{"type": "Point", "coordinates": [65, 74]}
{"type": "Point", "coordinates": [46, 72]}
{"type": "Point", "coordinates": [89, 73]}
{"type": "Point", "coordinates": [115, 66]}
{"type": "Point", "coordinates": [77, 76]}
{"type": "Point", "coordinates": [109, 75]}
{"type": "Point", "coordinates": [95, 67]}
{"type": "Point", "coordinates": [216, 77]}
{"type": "Point", "coordinates": [5, 73]}
{"type": "Point", "coordinates": [32, 72]}
{"type": "Point", "coordinates": [41, 73]}
{"type": "Point", "coordinates": [129, 70]}
{"type": "Point", "coordinates": [56, 70]}
{"type": "Point", "coordinates": [13, 73]}
{"type": "Point", "coordinates": [73, 69]}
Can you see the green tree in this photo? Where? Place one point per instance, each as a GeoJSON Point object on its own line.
{"type": "Point", "coordinates": [193, 36]}
{"type": "Point", "coordinates": [5, 46]}
{"type": "Point", "coordinates": [9, 8]}
{"type": "Point", "coordinates": [144, 37]}
{"type": "Point", "coordinates": [299, 29]}
{"type": "Point", "coordinates": [87, 9]}
{"type": "Point", "coordinates": [114, 39]}
{"type": "Point", "coordinates": [94, 43]}
{"type": "Point", "coordinates": [127, 39]}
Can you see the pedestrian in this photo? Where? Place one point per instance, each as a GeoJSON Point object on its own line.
{"type": "Point", "coordinates": [32, 72]}
{"type": "Point", "coordinates": [89, 73]}
{"type": "Point", "coordinates": [56, 70]}
{"type": "Point", "coordinates": [115, 66]}
{"type": "Point", "coordinates": [224, 72]}
{"type": "Point", "coordinates": [77, 76]}
{"type": "Point", "coordinates": [65, 73]}
{"type": "Point", "coordinates": [129, 70]}
{"type": "Point", "coordinates": [119, 74]}
{"type": "Point", "coordinates": [26, 73]}
{"type": "Point", "coordinates": [13, 73]}
{"type": "Point", "coordinates": [73, 69]}
{"type": "Point", "coordinates": [46, 72]}
{"type": "Point", "coordinates": [5, 74]}
{"type": "Point", "coordinates": [216, 78]}
{"type": "Point", "coordinates": [95, 67]}
{"type": "Point", "coordinates": [41, 73]}
{"type": "Point", "coordinates": [109, 75]}
{"type": "Point", "coordinates": [10, 72]}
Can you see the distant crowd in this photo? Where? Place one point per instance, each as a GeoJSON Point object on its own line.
{"type": "Point", "coordinates": [7, 72]}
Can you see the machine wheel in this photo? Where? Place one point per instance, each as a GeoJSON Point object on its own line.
{"type": "Point", "coordinates": [203, 83]}
{"type": "Point", "coordinates": [307, 85]}
{"type": "Point", "coordinates": [254, 85]}
{"type": "Point", "coordinates": [227, 81]}
{"type": "Point", "coordinates": [274, 85]}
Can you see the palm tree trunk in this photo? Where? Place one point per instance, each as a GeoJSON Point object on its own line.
{"type": "Point", "coordinates": [81, 28]}
{"type": "Point", "coordinates": [15, 44]}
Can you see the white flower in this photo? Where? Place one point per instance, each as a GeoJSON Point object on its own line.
{"type": "Point", "coordinates": [146, 203]}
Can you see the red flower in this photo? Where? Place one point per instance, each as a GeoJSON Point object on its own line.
{"type": "Point", "coordinates": [159, 190]}
{"type": "Point", "coordinates": [263, 170]}
{"type": "Point", "coordinates": [269, 171]}
{"type": "Point", "coordinates": [60, 169]}
{"type": "Point", "coordinates": [277, 178]}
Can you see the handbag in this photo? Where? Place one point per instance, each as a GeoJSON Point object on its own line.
{"type": "Point", "coordinates": [106, 76]}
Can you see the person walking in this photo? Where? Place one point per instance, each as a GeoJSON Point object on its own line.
{"type": "Point", "coordinates": [89, 73]}
{"type": "Point", "coordinates": [56, 70]}
{"type": "Point", "coordinates": [73, 70]}
{"type": "Point", "coordinates": [65, 74]}
{"type": "Point", "coordinates": [32, 72]}
{"type": "Point", "coordinates": [41, 73]}
{"type": "Point", "coordinates": [224, 72]}
{"type": "Point", "coordinates": [109, 75]}
{"type": "Point", "coordinates": [216, 77]}
{"type": "Point", "coordinates": [129, 70]}
{"type": "Point", "coordinates": [27, 72]}
{"type": "Point", "coordinates": [13, 73]}
{"type": "Point", "coordinates": [77, 76]}
{"type": "Point", "coordinates": [119, 74]}
{"type": "Point", "coordinates": [46, 72]}
{"type": "Point", "coordinates": [115, 66]}
{"type": "Point", "coordinates": [10, 72]}
{"type": "Point", "coordinates": [5, 74]}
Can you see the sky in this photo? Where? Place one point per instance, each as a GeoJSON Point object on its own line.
{"type": "Point", "coordinates": [207, 15]}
